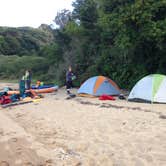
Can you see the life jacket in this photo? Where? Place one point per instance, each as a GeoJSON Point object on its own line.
{"type": "Point", "coordinates": [5, 100]}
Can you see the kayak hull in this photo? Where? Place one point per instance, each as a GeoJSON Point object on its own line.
{"type": "Point", "coordinates": [42, 86]}
{"type": "Point", "coordinates": [45, 90]}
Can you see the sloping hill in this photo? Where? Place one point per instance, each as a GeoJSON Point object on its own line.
{"type": "Point", "coordinates": [24, 40]}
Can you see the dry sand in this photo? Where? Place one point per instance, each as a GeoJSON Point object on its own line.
{"type": "Point", "coordinates": [83, 132]}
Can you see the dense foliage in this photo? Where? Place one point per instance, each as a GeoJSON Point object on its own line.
{"type": "Point", "coordinates": [121, 39]}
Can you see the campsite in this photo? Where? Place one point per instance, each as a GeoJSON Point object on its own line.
{"type": "Point", "coordinates": [83, 83]}
{"type": "Point", "coordinates": [54, 130]}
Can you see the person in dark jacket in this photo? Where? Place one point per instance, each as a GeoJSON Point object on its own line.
{"type": "Point", "coordinates": [69, 78]}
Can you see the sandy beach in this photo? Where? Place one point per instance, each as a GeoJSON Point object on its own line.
{"type": "Point", "coordinates": [55, 131]}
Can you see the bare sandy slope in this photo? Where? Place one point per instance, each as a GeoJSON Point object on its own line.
{"type": "Point", "coordinates": [83, 131]}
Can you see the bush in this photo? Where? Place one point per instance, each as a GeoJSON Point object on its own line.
{"type": "Point", "coordinates": [13, 67]}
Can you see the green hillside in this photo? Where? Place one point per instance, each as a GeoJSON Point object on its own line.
{"type": "Point", "coordinates": [24, 40]}
{"type": "Point", "coordinates": [19, 50]}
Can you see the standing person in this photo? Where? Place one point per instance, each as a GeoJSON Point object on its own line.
{"type": "Point", "coordinates": [28, 79]}
{"type": "Point", "coordinates": [69, 78]}
{"type": "Point", "coordinates": [22, 86]}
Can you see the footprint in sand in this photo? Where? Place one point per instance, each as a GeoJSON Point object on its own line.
{"type": "Point", "coordinates": [49, 161]}
{"type": "Point", "coordinates": [14, 139]}
{"type": "Point", "coordinates": [19, 151]}
{"type": "Point", "coordinates": [1, 132]}
{"type": "Point", "coordinates": [19, 115]}
{"type": "Point", "coordinates": [28, 164]}
{"type": "Point", "coordinates": [4, 163]}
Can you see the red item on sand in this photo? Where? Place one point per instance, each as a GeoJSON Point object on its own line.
{"type": "Point", "coordinates": [5, 100]}
{"type": "Point", "coordinates": [106, 97]}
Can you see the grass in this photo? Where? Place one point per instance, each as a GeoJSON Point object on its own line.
{"type": "Point", "coordinates": [8, 81]}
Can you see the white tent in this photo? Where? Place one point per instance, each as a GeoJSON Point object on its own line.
{"type": "Point", "coordinates": [151, 88]}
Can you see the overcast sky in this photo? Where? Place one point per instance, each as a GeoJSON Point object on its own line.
{"type": "Point", "coordinates": [16, 13]}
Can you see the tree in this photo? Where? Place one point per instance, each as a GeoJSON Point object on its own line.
{"type": "Point", "coordinates": [62, 18]}
{"type": "Point", "coordinates": [86, 12]}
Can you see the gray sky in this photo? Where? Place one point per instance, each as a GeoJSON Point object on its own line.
{"type": "Point", "coordinates": [16, 13]}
